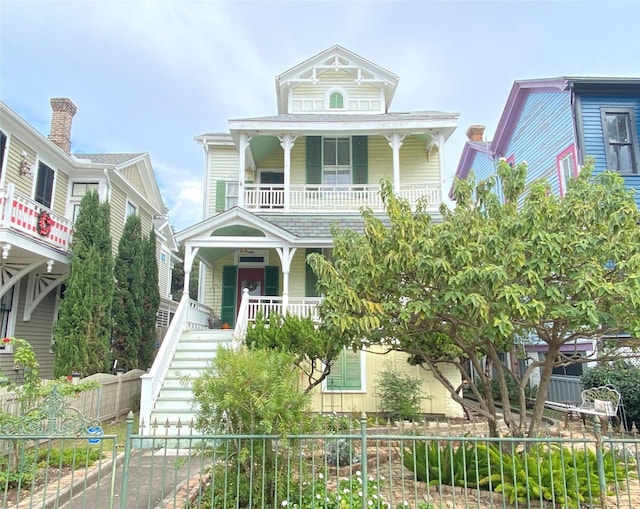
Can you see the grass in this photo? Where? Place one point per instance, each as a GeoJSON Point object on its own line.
{"type": "Point", "coordinates": [119, 428]}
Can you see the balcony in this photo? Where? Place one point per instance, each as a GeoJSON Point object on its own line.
{"type": "Point", "coordinates": [329, 198]}
{"type": "Point", "coordinates": [19, 213]}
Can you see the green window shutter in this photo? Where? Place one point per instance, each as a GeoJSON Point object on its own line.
{"type": "Point", "coordinates": [229, 294]}
{"type": "Point", "coordinates": [221, 198]}
{"type": "Point", "coordinates": [360, 150]}
{"type": "Point", "coordinates": [346, 372]}
{"type": "Point", "coordinates": [336, 100]}
{"type": "Point", "coordinates": [271, 278]}
{"type": "Point", "coordinates": [310, 278]}
{"type": "Point", "coordinates": [314, 160]}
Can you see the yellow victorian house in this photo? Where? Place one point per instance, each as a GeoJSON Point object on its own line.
{"type": "Point", "coordinates": [273, 188]}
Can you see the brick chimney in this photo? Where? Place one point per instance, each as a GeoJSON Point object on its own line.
{"type": "Point", "coordinates": [63, 112]}
{"type": "Point", "coordinates": [475, 133]}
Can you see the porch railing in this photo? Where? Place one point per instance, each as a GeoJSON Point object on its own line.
{"type": "Point", "coordinates": [332, 198]}
{"type": "Point", "coordinates": [20, 213]}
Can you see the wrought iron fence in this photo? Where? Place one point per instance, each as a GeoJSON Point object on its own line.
{"type": "Point", "coordinates": [335, 466]}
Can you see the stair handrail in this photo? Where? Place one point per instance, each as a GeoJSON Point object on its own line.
{"type": "Point", "coordinates": [152, 381]}
{"type": "Point", "coordinates": [242, 320]}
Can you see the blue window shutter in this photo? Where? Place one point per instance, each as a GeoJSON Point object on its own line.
{"type": "Point", "coordinates": [221, 198]}
{"type": "Point", "coordinates": [360, 151]}
{"type": "Point", "coordinates": [314, 160]}
{"type": "Point", "coordinates": [229, 294]}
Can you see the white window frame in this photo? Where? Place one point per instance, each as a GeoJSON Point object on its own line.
{"type": "Point", "coordinates": [633, 142]}
{"type": "Point", "coordinates": [567, 156]}
{"type": "Point", "coordinates": [74, 200]}
{"type": "Point", "coordinates": [337, 169]}
{"type": "Point", "coordinates": [130, 209]}
{"type": "Point", "coordinates": [327, 99]}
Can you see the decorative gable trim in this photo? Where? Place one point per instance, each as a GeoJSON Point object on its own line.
{"type": "Point", "coordinates": [334, 59]}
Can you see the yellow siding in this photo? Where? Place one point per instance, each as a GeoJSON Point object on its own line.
{"type": "Point", "coordinates": [59, 204]}
{"type": "Point", "coordinates": [298, 161]}
{"type": "Point", "coordinates": [118, 208]}
{"type": "Point", "coordinates": [222, 165]}
{"type": "Point", "coordinates": [297, 274]}
{"type": "Point", "coordinates": [310, 97]}
{"type": "Point", "coordinates": [274, 161]}
{"type": "Point", "coordinates": [132, 174]}
{"type": "Point", "coordinates": [23, 184]}
{"type": "Point", "coordinates": [145, 222]}
{"type": "Point", "coordinates": [437, 401]}
{"type": "Point", "coordinates": [414, 166]}
{"type": "Point", "coordinates": [380, 159]}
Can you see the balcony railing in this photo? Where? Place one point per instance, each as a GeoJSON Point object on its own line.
{"type": "Point", "coordinates": [298, 306]}
{"type": "Point", "coordinates": [332, 198]}
{"type": "Point", "coordinates": [20, 213]}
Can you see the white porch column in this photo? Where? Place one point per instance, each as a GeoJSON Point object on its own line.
{"type": "Point", "coordinates": [395, 142]}
{"type": "Point", "coordinates": [189, 257]}
{"type": "Point", "coordinates": [286, 255]}
{"type": "Point", "coordinates": [441, 166]}
{"type": "Point", "coordinates": [286, 142]}
{"type": "Point", "coordinates": [242, 153]}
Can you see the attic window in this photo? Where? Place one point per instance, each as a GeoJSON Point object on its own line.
{"type": "Point", "coordinates": [336, 101]}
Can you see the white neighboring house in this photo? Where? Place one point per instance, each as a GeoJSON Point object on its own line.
{"type": "Point", "coordinates": [41, 178]}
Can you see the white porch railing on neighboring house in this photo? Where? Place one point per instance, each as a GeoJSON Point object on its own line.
{"type": "Point", "coordinates": [332, 198]}
{"type": "Point", "coordinates": [20, 213]}
{"type": "Point", "coordinates": [189, 315]}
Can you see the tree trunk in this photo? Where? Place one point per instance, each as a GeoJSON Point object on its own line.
{"type": "Point", "coordinates": [543, 388]}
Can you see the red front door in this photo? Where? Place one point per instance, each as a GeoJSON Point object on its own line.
{"type": "Point", "coordinates": [251, 278]}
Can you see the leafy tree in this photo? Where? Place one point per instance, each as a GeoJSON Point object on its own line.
{"type": "Point", "coordinates": [83, 330]}
{"type": "Point", "coordinates": [313, 350]}
{"type": "Point", "coordinates": [177, 278]}
{"type": "Point", "coordinates": [487, 277]}
{"type": "Point", "coordinates": [128, 298]}
{"type": "Point", "coordinates": [150, 301]}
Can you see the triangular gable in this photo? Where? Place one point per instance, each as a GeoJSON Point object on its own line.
{"type": "Point", "coordinates": [164, 229]}
{"type": "Point", "coordinates": [332, 59]}
{"type": "Point", "coordinates": [520, 91]}
{"type": "Point", "coordinates": [235, 216]}
{"type": "Point", "coordinates": [139, 174]}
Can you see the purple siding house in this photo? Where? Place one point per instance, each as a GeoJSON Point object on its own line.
{"type": "Point", "coordinates": [554, 124]}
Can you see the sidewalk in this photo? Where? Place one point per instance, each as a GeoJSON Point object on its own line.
{"type": "Point", "coordinates": [153, 478]}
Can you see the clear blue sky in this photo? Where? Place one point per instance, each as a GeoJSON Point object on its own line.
{"type": "Point", "coordinates": [149, 75]}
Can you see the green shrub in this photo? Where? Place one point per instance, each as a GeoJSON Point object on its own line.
{"type": "Point", "coordinates": [257, 392]}
{"type": "Point", "coordinates": [443, 463]}
{"type": "Point", "coordinates": [539, 472]}
{"type": "Point", "coordinates": [400, 394]}
{"type": "Point", "coordinates": [626, 379]}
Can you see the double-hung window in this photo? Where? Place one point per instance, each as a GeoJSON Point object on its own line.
{"type": "Point", "coordinates": [336, 161]}
{"type": "Point", "coordinates": [78, 191]}
{"type": "Point", "coordinates": [567, 168]}
{"type": "Point", "coordinates": [620, 139]}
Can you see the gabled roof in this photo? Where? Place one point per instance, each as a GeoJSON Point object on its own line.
{"type": "Point", "coordinates": [109, 158]}
{"type": "Point", "coordinates": [121, 161]}
{"type": "Point", "coordinates": [520, 91]}
{"type": "Point", "coordinates": [334, 58]}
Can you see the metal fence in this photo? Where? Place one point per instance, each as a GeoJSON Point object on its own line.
{"type": "Point", "coordinates": [422, 467]}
